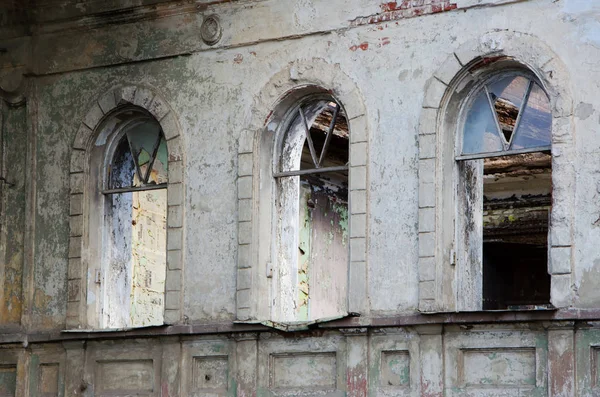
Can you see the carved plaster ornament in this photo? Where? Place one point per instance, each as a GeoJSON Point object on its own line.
{"type": "Point", "coordinates": [211, 30]}
{"type": "Point", "coordinates": [13, 86]}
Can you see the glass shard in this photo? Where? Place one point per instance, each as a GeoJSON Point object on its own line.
{"type": "Point", "coordinates": [507, 96]}
{"type": "Point", "coordinates": [480, 130]}
{"type": "Point", "coordinates": [535, 127]}
{"type": "Point", "coordinates": [122, 168]}
{"type": "Point", "coordinates": [159, 173]}
{"type": "Point", "coordinates": [143, 138]}
{"type": "Point", "coordinates": [296, 153]}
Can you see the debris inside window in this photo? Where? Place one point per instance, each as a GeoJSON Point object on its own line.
{"type": "Point", "coordinates": [141, 152]}
{"type": "Point", "coordinates": [512, 113]}
{"type": "Point", "coordinates": [516, 209]}
{"type": "Point", "coordinates": [506, 173]}
{"type": "Point", "coordinates": [313, 214]}
{"type": "Point", "coordinates": [136, 221]}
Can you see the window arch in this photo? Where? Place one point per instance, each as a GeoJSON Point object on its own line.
{"type": "Point", "coordinates": [509, 113]}
{"type": "Point", "coordinates": [450, 276]}
{"type": "Point", "coordinates": [125, 253]}
{"type": "Point", "coordinates": [132, 270]}
{"type": "Point", "coordinates": [259, 146]}
{"type": "Point", "coordinates": [504, 192]}
{"type": "Point", "coordinates": [311, 207]}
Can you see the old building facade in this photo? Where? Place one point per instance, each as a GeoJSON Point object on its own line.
{"type": "Point", "coordinates": [299, 197]}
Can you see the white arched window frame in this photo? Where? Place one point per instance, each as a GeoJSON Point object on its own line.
{"type": "Point", "coordinates": [86, 181]}
{"type": "Point", "coordinates": [128, 222]}
{"type": "Point", "coordinates": [504, 190]}
{"type": "Point", "coordinates": [310, 214]}
{"type": "Point", "coordinates": [442, 284]}
{"type": "Point", "coordinates": [256, 193]}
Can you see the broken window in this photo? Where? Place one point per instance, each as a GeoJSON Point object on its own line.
{"type": "Point", "coordinates": [312, 213]}
{"type": "Point", "coordinates": [505, 192]}
{"type": "Point", "coordinates": [134, 257]}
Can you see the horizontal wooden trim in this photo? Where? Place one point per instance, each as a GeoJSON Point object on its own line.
{"type": "Point", "coordinates": [478, 156]}
{"type": "Point", "coordinates": [567, 316]}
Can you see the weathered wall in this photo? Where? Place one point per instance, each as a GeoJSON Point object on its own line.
{"type": "Point", "coordinates": [389, 52]}
{"type": "Point", "coordinates": [493, 360]}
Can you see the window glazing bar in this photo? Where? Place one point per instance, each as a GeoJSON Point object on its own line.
{"type": "Point", "coordinates": [135, 188]}
{"type": "Point", "coordinates": [495, 114]}
{"type": "Point", "coordinates": [311, 147]}
{"type": "Point", "coordinates": [503, 153]}
{"type": "Point", "coordinates": [521, 110]}
{"type": "Point", "coordinates": [311, 171]}
{"type": "Point", "coordinates": [154, 154]}
{"type": "Point", "coordinates": [329, 134]}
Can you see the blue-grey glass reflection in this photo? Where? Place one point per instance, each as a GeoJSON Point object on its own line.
{"type": "Point", "coordinates": [535, 127]}
{"type": "Point", "coordinates": [480, 131]}
{"type": "Point", "coordinates": [507, 95]}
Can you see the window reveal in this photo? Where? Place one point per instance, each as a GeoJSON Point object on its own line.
{"type": "Point", "coordinates": [312, 227]}
{"type": "Point", "coordinates": [135, 258]}
{"type": "Point", "coordinates": [505, 167]}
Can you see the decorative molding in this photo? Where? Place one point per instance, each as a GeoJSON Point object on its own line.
{"type": "Point", "coordinates": [211, 30]}
{"type": "Point", "coordinates": [296, 80]}
{"type": "Point", "coordinates": [145, 98]}
{"type": "Point", "coordinates": [552, 73]}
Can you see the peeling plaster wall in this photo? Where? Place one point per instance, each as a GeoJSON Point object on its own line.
{"type": "Point", "coordinates": [212, 91]}
{"type": "Point", "coordinates": [389, 52]}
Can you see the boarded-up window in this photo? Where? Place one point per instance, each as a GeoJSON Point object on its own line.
{"type": "Point", "coordinates": [312, 214]}
{"type": "Point", "coordinates": [134, 265]}
{"type": "Point", "coordinates": [505, 195]}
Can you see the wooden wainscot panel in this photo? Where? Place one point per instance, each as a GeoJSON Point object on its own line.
{"type": "Point", "coordinates": [587, 345]}
{"type": "Point", "coordinates": [498, 368]}
{"type": "Point", "coordinates": [8, 380]}
{"type": "Point", "coordinates": [302, 371]}
{"type": "Point", "coordinates": [125, 368]}
{"type": "Point", "coordinates": [11, 371]}
{"type": "Point", "coordinates": [47, 378]}
{"type": "Point", "coordinates": [393, 364]}
{"type": "Point", "coordinates": [395, 368]}
{"type": "Point", "coordinates": [123, 377]}
{"type": "Point", "coordinates": [208, 368]}
{"type": "Point", "coordinates": [486, 363]}
{"type": "Point", "coordinates": [302, 366]}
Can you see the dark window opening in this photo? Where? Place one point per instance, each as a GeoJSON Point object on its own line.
{"type": "Point", "coordinates": [312, 179]}
{"type": "Point", "coordinates": [516, 209]}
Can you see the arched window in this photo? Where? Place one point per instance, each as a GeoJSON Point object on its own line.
{"type": "Point", "coordinates": [131, 220]}
{"type": "Point", "coordinates": [312, 250]}
{"type": "Point", "coordinates": [505, 190]}
{"type": "Point", "coordinates": [509, 114]}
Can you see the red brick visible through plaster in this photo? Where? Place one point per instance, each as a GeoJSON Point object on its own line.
{"type": "Point", "coordinates": [363, 46]}
{"type": "Point", "coordinates": [395, 10]}
{"type": "Point", "coordinates": [357, 382]}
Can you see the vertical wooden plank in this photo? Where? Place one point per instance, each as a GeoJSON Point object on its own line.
{"type": "Point", "coordinates": [469, 235]}
{"type": "Point", "coordinates": [329, 254]}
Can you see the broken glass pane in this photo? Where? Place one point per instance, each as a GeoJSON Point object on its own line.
{"type": "Point", "coordinates": [143, 138]}
{"type": "Point", "coordinates": [535, 126]}
{"type": "Point", "coordinates": [326, 152]}
{"type": "Point", "coordinates": [122, 169]}
{"type": "Point", "coordinates": [507, 96]}
{"type": "Point", "coordinates": [159, 171]}
{"type": "Point", "coordinates": [480, 131]}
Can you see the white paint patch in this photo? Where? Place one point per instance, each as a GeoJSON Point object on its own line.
{"type": "Point", "coordinates": [304, 14]}
{"type": "Point", "coordinates": [585, 15]}
{"type": "Point", "coordinates": [106, 131]}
